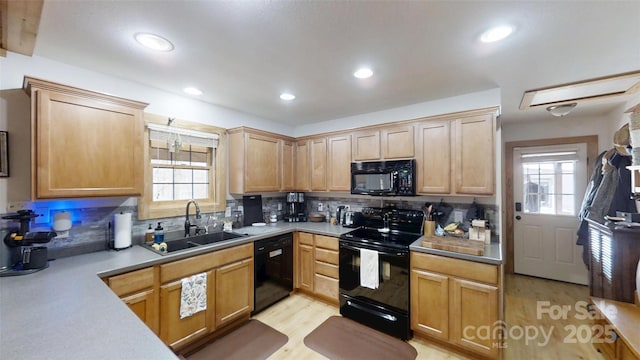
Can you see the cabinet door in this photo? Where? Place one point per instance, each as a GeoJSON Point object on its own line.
{"type": "Point", "coordinates": [143, 304]}
{"type": "Point", "coordinates": [302, 166]}
{"type": "Point", "coordinates": [339, 165]}
{"type": "Point", "coordinates": [319, 164]}
{"type": "Point", "coordinates": [305, 267]}
{"type": "Point", "coordinates": [287, 151]}
{"type": "Point", "coordinates": [177, 332]}
{"type": "Point", "coordinates": [262, 165]}
{"type": "Point", "coordinates": [434, 158]}
{"type": "Point", "coordinates": [474, 160]}
{"type": "Point", "coordinates": [430, 304]}
{"type": "Point", "coordinates": [85, 147]}
{"type": "Point", "coordinates": [398, 142]}
{"type": "Point", "coordinates": [326, 287]}
{"type": "Point", "coordinates": [366, 145]}
{"type": "Point", "coordinates": [475, 306]}
{"type": "Point", "coordinates": [234, 291]}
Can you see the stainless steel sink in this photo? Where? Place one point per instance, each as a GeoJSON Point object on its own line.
{"type": "Point", "coordinates": [177, 242]}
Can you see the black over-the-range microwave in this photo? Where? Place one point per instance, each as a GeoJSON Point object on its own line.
{"type": "Point", "coordinates": [384, 178]}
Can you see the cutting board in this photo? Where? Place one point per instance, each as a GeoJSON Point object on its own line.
{"type": "Point", "coordinates": [465, 246]}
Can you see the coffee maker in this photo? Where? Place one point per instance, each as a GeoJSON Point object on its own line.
{"type": "Point", "coordinates": [24, 257]}
{"type": "Point", "coordinates": [296, 210]}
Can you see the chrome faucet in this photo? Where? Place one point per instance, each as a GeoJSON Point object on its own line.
{"type": "Point", "coordinates": [187, 224]}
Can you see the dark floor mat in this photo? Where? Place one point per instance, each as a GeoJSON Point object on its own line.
{"type": "Point", "coordinates": [254, 340]}
{"type": "Point", "coordinates": [340, 338]}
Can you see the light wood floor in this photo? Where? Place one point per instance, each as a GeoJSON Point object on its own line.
{"type": "Point", "coordinates": [299, 314]}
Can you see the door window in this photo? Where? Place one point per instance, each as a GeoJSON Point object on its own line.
{"type": "Point", "coordinates": [549, 183]}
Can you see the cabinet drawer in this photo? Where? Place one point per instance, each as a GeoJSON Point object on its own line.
{"type": "Point", "coordinates": [305, 238]}
{"type": "Point", "coordinates": [461, 268]}
{"type": "Point", "coordinates": [326, 269]}
{"type": "Point", "coordinates": [328, 256]}
{"type": "Point", "coordinates": [130, 282]}
{"type": "Point", "coordinates": [197, 264]}
{"type": "Point", "coordinates": [326, 286]}
{"type": "Point", "coordinates": [327, 242]}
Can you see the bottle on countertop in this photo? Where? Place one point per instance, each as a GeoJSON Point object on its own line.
{"type": "Point", "coordinates": [148, 235]}
{"type": "Point", "coordinates": [158, 234]}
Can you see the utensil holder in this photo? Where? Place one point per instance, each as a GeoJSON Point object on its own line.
{"type": "Point", "coordinates": [429, 227]}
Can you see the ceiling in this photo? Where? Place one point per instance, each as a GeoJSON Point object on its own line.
{"type": "Point", "coordinates": [243, 54]}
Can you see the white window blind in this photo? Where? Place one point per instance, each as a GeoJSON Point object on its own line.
{"type": "Point", "coordinates": [185, 136]}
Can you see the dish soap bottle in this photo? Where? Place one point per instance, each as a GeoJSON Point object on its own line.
{"type": "Point", "coordinates": [158, 234]}
{"type": "Point", "coordinates": [148, 235]}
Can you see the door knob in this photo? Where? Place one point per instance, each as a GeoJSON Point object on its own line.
{"type": "Point", "coordinates": [518, 217]}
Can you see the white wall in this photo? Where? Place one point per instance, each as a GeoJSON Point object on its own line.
{"type": "Point", "coordinates": [563, 127]}
{"type": "Point", "coordinates": [477, 100]}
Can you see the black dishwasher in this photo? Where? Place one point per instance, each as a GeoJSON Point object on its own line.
{"type": "Point", "coordinates": [273, 264]}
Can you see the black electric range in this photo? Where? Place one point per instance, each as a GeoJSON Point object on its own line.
{"type": "Point", "coordinates": [386, 235]}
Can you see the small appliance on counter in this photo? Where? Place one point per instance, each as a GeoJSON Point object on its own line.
{"type": "Point", "coordinates": [352, 219]}
{"type": "Point", "coordinates": [252, 211]}
{"type": "Point", "coordinates": [24, 257]}
{"type": "Point", "coordinates": [296, 210]}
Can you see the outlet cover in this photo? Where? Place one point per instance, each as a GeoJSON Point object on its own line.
{"type": "Point", "coordinates": [227, 212]}
{"type": "Point", "coordinates": [14, 206]}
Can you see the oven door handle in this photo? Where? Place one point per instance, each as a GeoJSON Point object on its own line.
{"type": "Point", "coordinates": [374, 312]}
{"type": "Point", "coordinates": [354, 248]}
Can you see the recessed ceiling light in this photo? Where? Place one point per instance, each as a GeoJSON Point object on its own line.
{"type": "Point", "coordinates": [496, 34]}
{"type": "Point", "coordinates": [153, 41]}
{"type": "Point", "coordinates": [287, 96]}
{"type": "Point", "coordinates": [192, 91]}
{"type": "Point", "coordinates": [363, 73]}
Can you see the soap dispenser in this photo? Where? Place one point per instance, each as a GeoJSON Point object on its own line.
{"type": "Point", "coordinates": [158, 234]}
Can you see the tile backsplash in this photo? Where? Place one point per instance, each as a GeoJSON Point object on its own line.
{"type": "Point", "coordinates": [91, 225]}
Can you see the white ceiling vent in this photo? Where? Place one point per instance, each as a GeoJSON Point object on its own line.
{"type": "Point", "coordinates": [594, 89]}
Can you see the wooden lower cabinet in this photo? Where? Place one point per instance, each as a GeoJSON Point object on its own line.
{"type": "Point", "coordinates": [155, 293]}
{"type": "Point", "coordinates": [177, 332]}
{"type": "Point", "coordinates": [316, 265]}
{"type": "Point", "coordinates": [136, 289]}
{"type": "Point", "coordinates": [448, 307]}
{"type": "Point", "coordinates": [232, 301]}
{"type": "Point", "coordinates": [430, 304]}
{"type": "Point", "coordinates": [475, 306]}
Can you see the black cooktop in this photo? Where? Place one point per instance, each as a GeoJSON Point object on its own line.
{"type": "Point", "coordinates": [396, 239]}
{"type": "Point", "coordinates": [405, 227]}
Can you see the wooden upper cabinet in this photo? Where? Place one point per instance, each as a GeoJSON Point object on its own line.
{"type": "Point", "coordinates": [474, 154]}
{"type": "Point", "coordinates": [397, 142]}
{"type": "Point", "coordinates": [318, 164]}
{"type": "Point", "coordinates": [366, 145]}
{"type": "Point", "coordinates": [339, 163]}
{"type": "Point", "coordinates": [457, 155]}
{"type": "Point", "coordinates": [83, 143]}
{"type": "Point", "coordinates": [434, 157]}
{"type": "Point", "coordinates": [288, 154]}
{"type": "Point", "coordinates": [256, 161]}
{"type": "Point", "coordinates": [302, 170]}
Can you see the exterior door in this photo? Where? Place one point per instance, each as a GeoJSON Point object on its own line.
{"type": "Point", "coordinates": [549, 184]}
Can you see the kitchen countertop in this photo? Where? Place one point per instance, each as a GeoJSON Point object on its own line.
{"type": "Point", "coordinates": [492, 252]}
{"type": "Point", "coordinates": [67, 311]}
